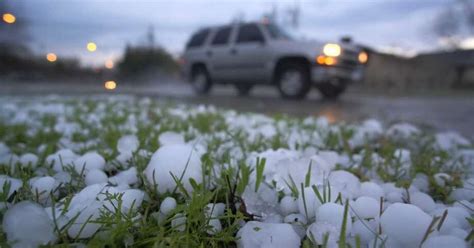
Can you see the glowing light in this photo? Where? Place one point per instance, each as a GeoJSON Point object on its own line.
{"type": "Point", "coordinates": [323, 60]}
{"type": "Point", "coordinates": [330, 61]}
{"type": "Point", "coordinates": [363, 57]}
{"type": "Point", "coordinates": [320, 59]}
{"type": "Point", "coordinates": [109, 64]}
{"type": "Point", "coordinates": [51, 57]}
{"type": "Point", "coordinates": [468, 43]}
{"type": "Point", "coordinates": [332, 50]}
{"type": "Point", "coordinates": [110, 85]}
{"type": "Point", "coordinates": [91, 46]}
{"type": "Point", "coordinates": [332, 115]}
{"type": "Point", "coordinates": [9, 18]}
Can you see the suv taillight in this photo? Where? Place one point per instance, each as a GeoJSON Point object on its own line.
{"type": "Point", "coordinates": [181, 61]}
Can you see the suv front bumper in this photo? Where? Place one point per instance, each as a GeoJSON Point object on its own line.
{"type": "Point", "coordinates": [322, 74]}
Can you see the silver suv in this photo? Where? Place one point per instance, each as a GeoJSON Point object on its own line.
{"type": "Point", "coordinates": [246, 54]}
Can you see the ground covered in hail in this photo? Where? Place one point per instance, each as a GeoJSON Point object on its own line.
{"type": "Point", "coordinates": [124, 171]}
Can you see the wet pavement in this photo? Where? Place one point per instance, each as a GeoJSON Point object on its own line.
{"type": "Point", "coordinates": [440, 112]}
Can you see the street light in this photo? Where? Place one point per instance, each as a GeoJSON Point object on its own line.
{"type": "Point", "coordinates": [51, 57]}
{"type": "Point", "coordinates": [9, 18]}
{"type": "Point", "coordinates": [109, 64]}
{"type": "Point", "coordinates": [110, 85]}
{"type": "Point", "coordinates": [91, 46]}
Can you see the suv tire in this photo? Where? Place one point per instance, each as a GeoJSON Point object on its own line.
{"type": "Point", "coordinates": [332, 90]}
{"type": "Point", "coordinates": [243, 89]}
{"type": "Point", "coordinates": [293, 80]}
{"type": "Point", "coordinates": [201, 81]}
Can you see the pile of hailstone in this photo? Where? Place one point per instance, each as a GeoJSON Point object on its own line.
{"type": "Point", "coordinates": [124, 171]}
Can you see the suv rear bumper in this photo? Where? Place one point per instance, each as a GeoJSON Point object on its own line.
{"type": "Point", "coordinates": [322, 74]}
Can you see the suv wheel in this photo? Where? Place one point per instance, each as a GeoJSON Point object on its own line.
{"type": "Point", "coordinates": [201, 81]}
{"type": "Point", "coordinates": [332, 89]}
{"type": "Point", "coordinates": [293, 81]}
{"type": "Point", "coordinates": [243, 89]}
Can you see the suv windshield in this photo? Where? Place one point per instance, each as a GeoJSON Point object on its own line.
{"type": "Point", "coordinates": [277, 33]}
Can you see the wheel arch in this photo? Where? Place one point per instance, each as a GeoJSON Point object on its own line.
{"type": "Point", "coordinates": [282, 61]}
{"type": "Point", "coordinates": [195, 66]}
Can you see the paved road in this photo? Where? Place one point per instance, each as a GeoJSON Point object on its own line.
{"type": "Point", "coordinates": [438, 112]}
{"type": "Point", "coordinates": [446, 112]}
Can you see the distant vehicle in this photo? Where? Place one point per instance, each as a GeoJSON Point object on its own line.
{"type": "Point", "coordinates": [246, 54]}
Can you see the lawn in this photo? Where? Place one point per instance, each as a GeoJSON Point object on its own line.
{"type": "Point", "coordinates": [125, 171]}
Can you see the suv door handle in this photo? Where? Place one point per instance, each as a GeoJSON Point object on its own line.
{"type": "Point", "coordinates": [233, 51]}
{"type": "Point", "coordinates": [209, 53]}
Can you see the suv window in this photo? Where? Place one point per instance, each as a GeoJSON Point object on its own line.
{"type": "Point", "coordinates": [249, 33]}
{"type": "Point", "coordinates": [198, 38]}
{"type": "Point", "coordinates": [222, 36]}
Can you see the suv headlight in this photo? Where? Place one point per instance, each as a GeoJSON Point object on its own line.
{"type": "Point", "coordinates": [332, 50]}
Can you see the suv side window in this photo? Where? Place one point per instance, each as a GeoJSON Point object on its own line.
{"type": "Point", "coordinates": [249, 33]}
{"type": "Point", "coordinates": [222, 36]}
{"type": "Point", "coordinates": [198, 39]}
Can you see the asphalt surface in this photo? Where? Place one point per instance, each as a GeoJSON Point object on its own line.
{"type": "Point", "coordinates": [445, 112]}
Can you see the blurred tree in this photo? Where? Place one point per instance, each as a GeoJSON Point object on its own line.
{"type": "Point", "coordinates": [290, 17]}
{"type": "Point", "coordinates": [151, 36]}
{"type": "Point", "coordinates": [469, 12]}
{"type": "Point", "coordinates": [14, 35]}
{"type": "Point", "coordinates": [294, 15]}
{"type": "Point", "coordinates": [146, 60]}
{"type": "Point", "coordinates": [455, 23]}
{"type": "Point", "coordinates": [272, 15]}
{"type": "Point", "coordinates": [18, 62]}
{"type": "Point", "coordinates": [141, 60]}
{"type": "Point", "coordinates": [14, 52]}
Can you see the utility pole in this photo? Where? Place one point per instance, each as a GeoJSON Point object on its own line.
{"type": "Point", "coordinates": [151, 36]}
{"type": "Point", "coordinates": [294, 14]}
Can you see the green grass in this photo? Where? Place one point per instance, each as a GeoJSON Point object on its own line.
{"type": "Point", "coordinates": [101, 122]}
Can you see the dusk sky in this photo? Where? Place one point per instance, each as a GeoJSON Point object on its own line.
{"type": "Point", "coordinates": [64, 27]}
